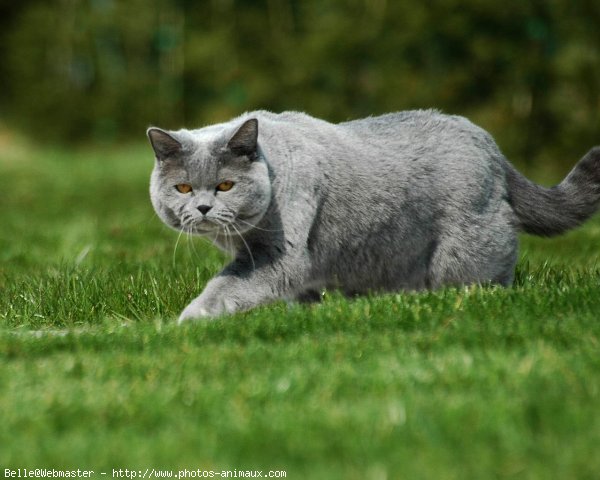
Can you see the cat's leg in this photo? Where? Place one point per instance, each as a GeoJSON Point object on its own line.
{"type": "Point", "coordinates": [478, 254]}
{"type": "Point", "coordinates": [242, 286]}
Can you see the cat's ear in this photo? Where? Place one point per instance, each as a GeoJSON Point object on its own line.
{"type": "Point", "coordinates": [244, 140]}
{"type": "Point", "coordinates": [163, 143]}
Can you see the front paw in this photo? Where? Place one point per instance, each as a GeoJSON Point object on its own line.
{"type": "Point", "coordinates": [206, 308]}
{"type": "Point", "coordinates": [193, 312]}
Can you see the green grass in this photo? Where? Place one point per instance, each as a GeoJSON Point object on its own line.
{"type": "Point", "coordinates": [458, 383]}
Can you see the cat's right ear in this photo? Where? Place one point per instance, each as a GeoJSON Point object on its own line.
{"type": "Point", "coordinates": [164, 144]}
{"type": "Point", "coordinates": [243, 141]}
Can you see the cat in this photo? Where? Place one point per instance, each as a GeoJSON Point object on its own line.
{"type": "Point", "coordinates": [404, 201]}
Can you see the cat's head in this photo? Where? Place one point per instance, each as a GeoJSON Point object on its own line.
{"type": "Point", "coordinates": [211, 181]}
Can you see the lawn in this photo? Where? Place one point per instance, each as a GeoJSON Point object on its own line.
{"type": "Point", "coordinates": [453, 384]}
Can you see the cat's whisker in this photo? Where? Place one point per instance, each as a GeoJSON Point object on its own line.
{"type": "Point", "coordinates": [213, 241]}
{"type": "Point", "coordinates": [227, 245]}
{"type": "Point", "coordinates": [176, 244]}
{"type": "Point", "coordinates": [185, 221]}
{"type": "Point", "coordinates": [223, 227]}
{"type": "Point", "coordinates": [186, 227]}
{"type": "Point", "coordinates": [229, 241]}
{"type": "Point", "coordinates": [188, 235]}
{"type": "Point", "coordinates": [232, 246]}
{"type": "Point", "coordinates": [191, 244]}
{"type": "Point", "coordinates": [257, 228]}
{"type": "Point", "coordinates": [246, 244]}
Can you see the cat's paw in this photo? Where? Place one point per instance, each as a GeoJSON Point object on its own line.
{"type": "Point", "coordinates": [206, 308]}
{"type": "Point", "coordinates": [194, 312]}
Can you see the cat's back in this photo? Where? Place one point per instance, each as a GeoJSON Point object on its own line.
{"type": "Point", "coordinates": [448, 147]}
{"type": "Point", "coordinates": [415, 127]}
{"type": "Point", "coordinates": [418, 128]}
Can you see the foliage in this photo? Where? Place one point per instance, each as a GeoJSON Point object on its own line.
{"type": "Point", "coordinates": [105, 69]}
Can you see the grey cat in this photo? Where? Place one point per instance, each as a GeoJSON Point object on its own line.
{"type": "Point", "coordinates": [404, 201]}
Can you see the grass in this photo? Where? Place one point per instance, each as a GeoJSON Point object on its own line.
{"type": "Point", "coordinates": [452, 384]}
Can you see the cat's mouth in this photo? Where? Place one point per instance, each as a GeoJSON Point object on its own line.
{"type": "Point", "coordinates": [203, 230]}
{"type": "Point", "coordinates": [220, 226]}
{"type": "Point", "coordinates": [206, 226]}
{"type": "Point", "coordinates": [193, 226]}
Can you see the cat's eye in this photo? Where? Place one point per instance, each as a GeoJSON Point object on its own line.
{"type": "Point", "coordinates": [183, 187]}
{"type": "Point", "coordinates": [225, 186]}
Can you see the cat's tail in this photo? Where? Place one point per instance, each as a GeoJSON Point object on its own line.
{"type": "Point", "coordinates": [552, 211]}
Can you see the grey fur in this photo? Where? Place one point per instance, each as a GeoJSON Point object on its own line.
{"type": "Point", "coordinates": [408, 200]}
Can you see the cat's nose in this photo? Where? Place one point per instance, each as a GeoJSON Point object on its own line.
{"type": "Point", "coordinates": [204, 209]}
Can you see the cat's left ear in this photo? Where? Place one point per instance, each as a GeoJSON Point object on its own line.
{"type": "Point", "coordinates": [244, 140]}
{"type": "Point", "coordinates": [164, 144]}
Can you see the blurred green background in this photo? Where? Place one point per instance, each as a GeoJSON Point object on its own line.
{"type": "Point", "coordinates": [81, 71]}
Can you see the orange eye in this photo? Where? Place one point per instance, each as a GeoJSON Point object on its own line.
{"type": "Point", "coordinates": [224, 186]}
{"type": "Point", "coordinates": [183, 188]}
